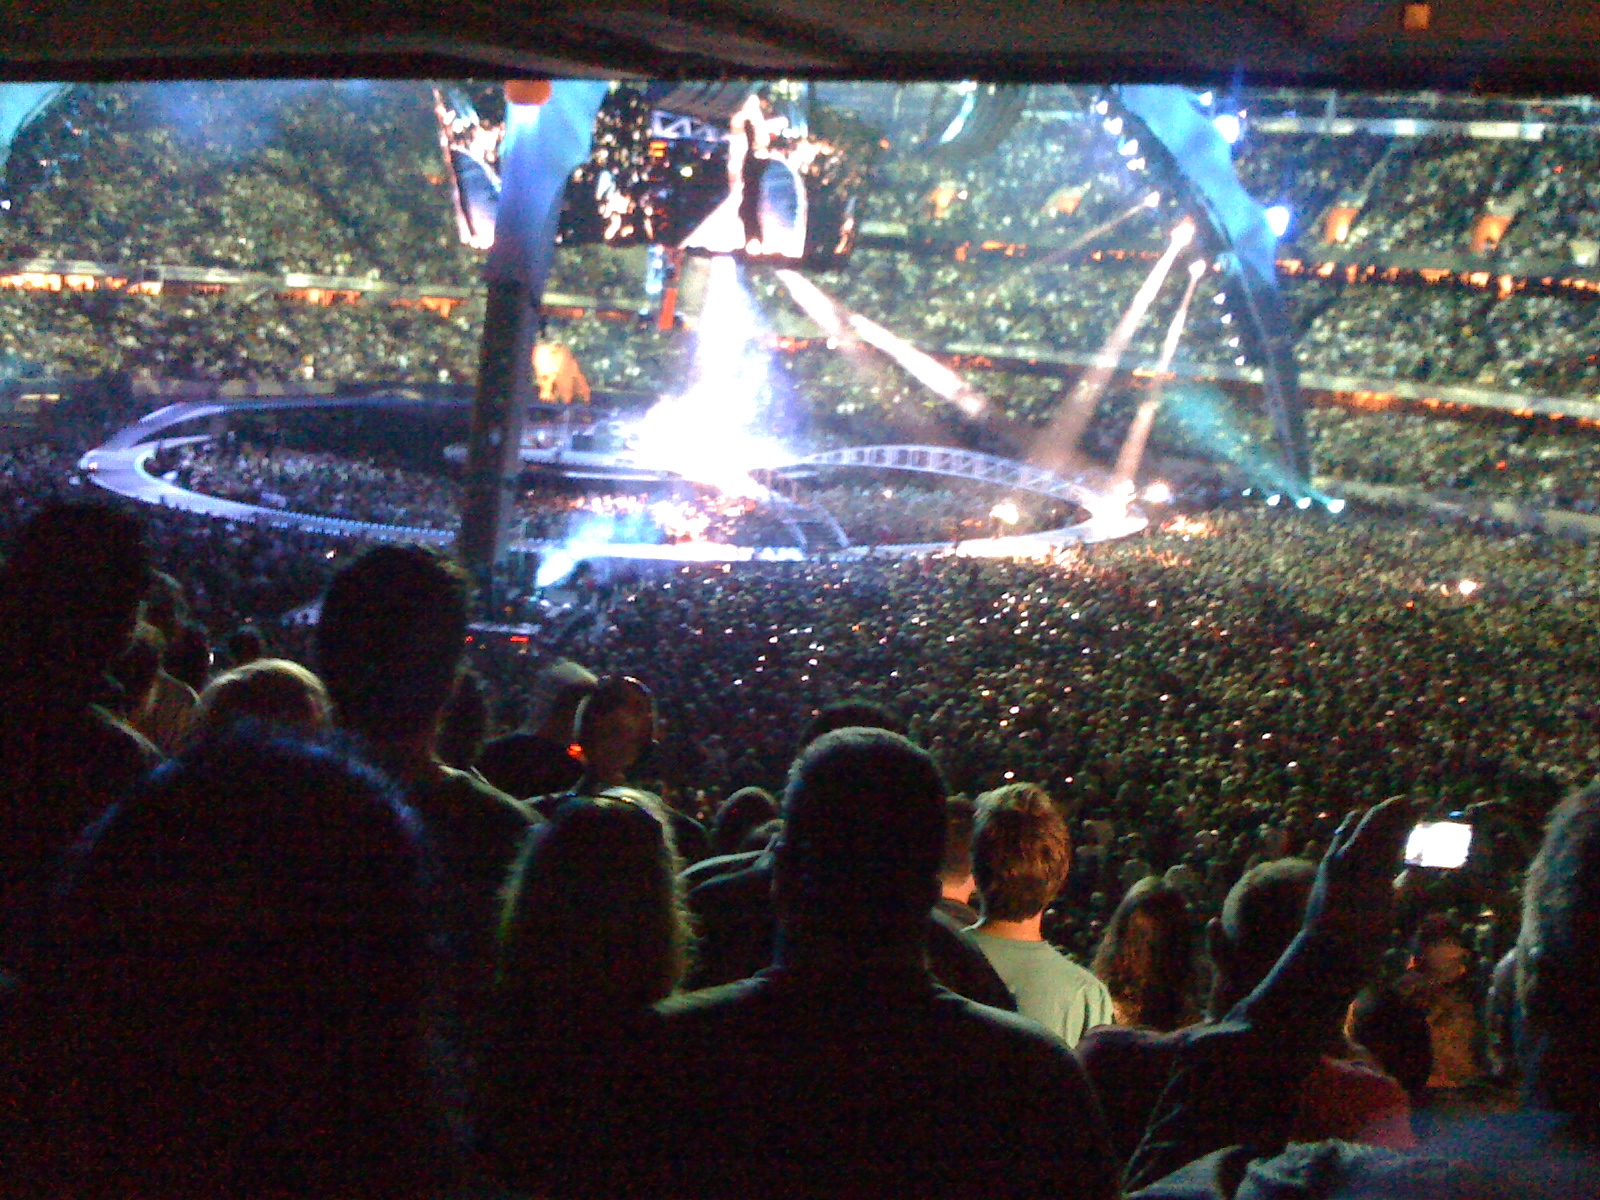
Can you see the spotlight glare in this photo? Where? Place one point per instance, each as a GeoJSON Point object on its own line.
{"type": "Point", "coordinates": [1197, 268]}
{"type": "Point", "coordinates": [1158, 493]}
{"type": "Point", "coordinates": [1278, 220]}
{"type": "Point", "coordinates": [1114, 126]}
{"type": "Point", "coordinates": [1467, 586]}
{"type": "Point", "coordinates": [1006, 512]}
{"type": "Point", "coordinates": [1274, 500]}
{"type": "Point", "coordinates": [1336, 507]}
{"type": "Point", "coordinates": [1303, 503]}
{"type": "Point", "coordinates": [1183, 232]}
{"type": "Point", "coordinates": [1152, 200]}
{"type": "Point", "coordinates": [1208, 98]}
{"type": "Point", "coordinates": [1229, 126]}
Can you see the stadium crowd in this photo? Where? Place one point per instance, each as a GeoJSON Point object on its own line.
{"type": "Point", "coordinates": [1196, 711]}
{"type": "Point", "coordinates": [387, 905]}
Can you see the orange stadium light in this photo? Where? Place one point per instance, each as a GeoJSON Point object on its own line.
{"type": "Point", "coordinates": [1336, 226]}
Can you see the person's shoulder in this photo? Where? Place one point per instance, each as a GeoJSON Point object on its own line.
{"type": "Point", "coordinates": [116, 744]}
{"type": "Point", "coordinates": [733, 886]}
{"type": "Point", "coordinates": [1305, 1171]}
{"type": "Point", "coordinates": [1082, 980]}
{"type": "Point", "coordinates": [717, 866]}
{"type": "Point", "coordinates": [1113, 1042]}
{"type": "Point", "coordinates": [1355, 1076]}
{"type": "Point", "coordinates": [999, 1032]}
{"type": "Point", "coordinates": [487, 801]}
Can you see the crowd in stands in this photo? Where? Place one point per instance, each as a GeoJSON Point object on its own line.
{"type": "Point", "coordinates": [1540, 464]}
{"type": "Point", "coordinates": [342, 178]}
{"type": "Point", "coordinates": [260, 936]}
{"type": "Point", "coordinates": [481, 968]}
{"type": "Point", "coordinates": [333, 178]}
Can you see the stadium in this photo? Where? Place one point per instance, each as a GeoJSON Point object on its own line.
{"type": "Point", "coordinates": [1218, 458]}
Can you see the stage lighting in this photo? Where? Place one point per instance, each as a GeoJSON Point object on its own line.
{"type": "Point", "coordinates": [1278, 220]}
{"type": "Point", "coordinates": [1137, 164]}
{"type": "Point", "coordinates": [1152, 200]}
{"type": "Point", "coordinates": [1197, 268]}
{"type": "Point", "coordinates": [1274, 500]}
{"type": "Point", "coordinates": [1227, 318]}
{"type": "Point", "coordinates": [1006, 512]}
{"type": "Point", "coordinates": [1158, 493]}
{"type": "Point", "coordinates": [1207, 98]}
{"type": "Point", "coordinates": [1467, 586]}
{"type": "Point", "coordinates": [1229, 126]}
{"type": "Point", "coordinates": [1183, 232]}
{"type": "Point", "coordinates": [1128, 148]}
{"type": "Point", "coordinates": [1303, 503]}
{"type": "Point", "coordinates": [1220, 298]}
{"type": "Point", "coordinates": [1238, 361]}
{"type": "Point", "coordinates": [1336, 507]}
{"type": "Point", "coordinates": [1114, 126]}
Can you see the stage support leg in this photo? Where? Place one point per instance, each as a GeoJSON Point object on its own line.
{"type": "Point", "coordinates": [548, 130]}
{"type": "Point", "coordinates": [505, 389]}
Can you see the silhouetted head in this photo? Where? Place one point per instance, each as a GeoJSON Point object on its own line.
{"type": "Point", "coordinates": [557, 692]}
{"type": "Point", "coordinates": [164, 604]}
{"type": "Point", "coordinates": [244, 645]}
{"type": "Point", "coordinates": [273, 691]}
{"type": "Point", "coordinates": [1147, 957]}
{"type": "Point", "coordinates": [615, 725]}
{"type": "Point", "coordinates": [1558, 963]}
{"type": "Point", "coordinates": [1260, 917]}
{"type": "Point", "coordinates": [594, 920]}
{"type": "Point", "coordinates": [188, 656]}
{"type": "Point", "coordinates": [955, 870]}
{"type": "Point", "coordinates": [465, 721]}
{"type": "Point", "coordinates": [391, 634]}
{"type": "Point", "coordinates": [238, 986]}
{"type": "Point", "coordinates": [863, 835]}
{"type": "Point", "coordinates": [1021, 851]}
{"type": "Point", "coordinates": [1394, 1029]}
{"type": "Point", "coordinates": [70, 592]}
{"type": "Point", "coordinates": [854, 713]}
{"type": "Point", "coordinates": [745, 810]}
{"type": "Point", "coordinates": [136, 668]}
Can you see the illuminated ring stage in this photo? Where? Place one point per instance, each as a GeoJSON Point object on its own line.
{"type": "Point", "coordinates": [121, 465]}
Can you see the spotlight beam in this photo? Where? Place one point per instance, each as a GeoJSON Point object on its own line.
{"type": "Point", "coordinates": [1133, 446]}
{"type": "Point", "coordinates": [1057, 447]}
{"type": "Point", "coordinates": [1059, 256]}
{"type": "Point", "coordinates": [849, 326]}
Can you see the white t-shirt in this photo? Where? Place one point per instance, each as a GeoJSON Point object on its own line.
{"type": "Point", "coordinates": [1049, 987]}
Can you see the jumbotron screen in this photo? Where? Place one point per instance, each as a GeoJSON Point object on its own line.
{"type": "Point", "coordinates": [754, 169]}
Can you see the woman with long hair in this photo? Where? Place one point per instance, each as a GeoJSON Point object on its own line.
{"type": "Point", "coordinates": [593, 933]}
{"type": "Point", "coordinates": [1147, 958]}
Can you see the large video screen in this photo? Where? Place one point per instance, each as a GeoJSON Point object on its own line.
{"type": "Point", "coordinates": [761, 170]}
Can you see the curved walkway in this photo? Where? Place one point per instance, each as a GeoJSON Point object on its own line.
{"type": "Point", "coordinates": [121, 464]}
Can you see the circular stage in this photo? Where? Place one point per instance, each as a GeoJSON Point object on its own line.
{"type": "Point", "coordinates": [120, 465]}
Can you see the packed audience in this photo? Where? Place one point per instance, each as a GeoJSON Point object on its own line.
{"type": "Point", "coordinates": [310, 888]}
{"type": "Point", "coordinates": [1193, 713]}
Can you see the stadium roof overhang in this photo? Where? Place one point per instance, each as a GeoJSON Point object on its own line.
{"type": "Point", "coordinates": [1548, 48]}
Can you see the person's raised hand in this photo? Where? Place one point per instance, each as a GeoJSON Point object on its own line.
{"type": "Point", "coordinates": [1352, 900]}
